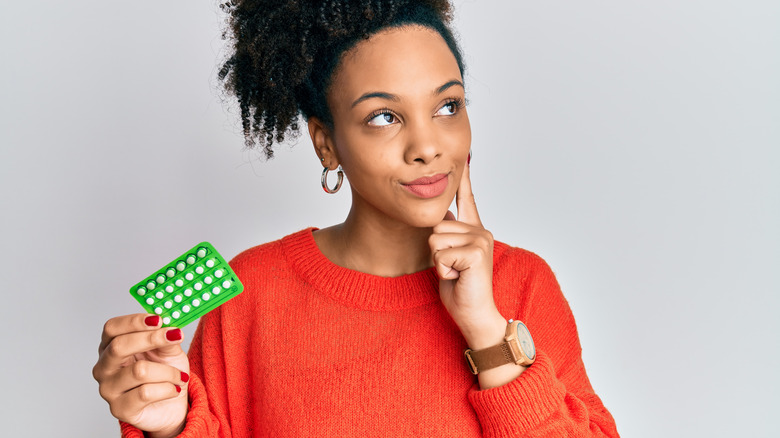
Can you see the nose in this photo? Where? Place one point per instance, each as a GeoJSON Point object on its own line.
{"type": "Point", "coordinates": [422, 143]}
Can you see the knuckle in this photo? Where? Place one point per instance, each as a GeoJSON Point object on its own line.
{"type": "Point", "coordinates": [145, 393]}
{"type": "Point", "coordinates": [97, 372]}
{"type": "Point", "coordinates": [117, 411]}
{"type": "Point", "coordinates": [116, 347]}
{"type": "Point", "coordinates": [484, 239]}
{"type": "Point", "coordinates": [108, 327]}
{"type": "Point", "coordinates": [140, 370]}
{"type": "Point", "coordinates": [104, 393]}
{"type": "Point", "coordinates": [155, 337]}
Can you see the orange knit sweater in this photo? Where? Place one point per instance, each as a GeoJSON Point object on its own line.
{"type": "Point", "coordinates": [313, 349]}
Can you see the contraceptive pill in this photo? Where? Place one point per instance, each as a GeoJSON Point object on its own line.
{"type": "Point", "coordinates": [179, 304]}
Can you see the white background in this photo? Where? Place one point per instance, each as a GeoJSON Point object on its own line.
{"type": "Point", "coordinates": [633, 145]}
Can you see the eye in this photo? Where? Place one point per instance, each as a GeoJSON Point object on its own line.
{"type": "Point", "coordinates": [382, 118]}
{"type": "Point", "coordinates": [450, 108]}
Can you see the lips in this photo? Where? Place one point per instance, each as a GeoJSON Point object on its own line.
{"type": "Point", "coordinates": [428, 186]}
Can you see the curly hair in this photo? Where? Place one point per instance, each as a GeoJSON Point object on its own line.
{"type": "Point", "coordinates": [284, 53]}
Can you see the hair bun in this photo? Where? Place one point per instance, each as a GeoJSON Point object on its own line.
{"type": "Point", "coordinates": [275, 45]}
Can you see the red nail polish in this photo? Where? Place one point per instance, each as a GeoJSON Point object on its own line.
{"type": "Point", "coordinates": [469, 160]}
{"type": "Point", "coordinates": [152, 321]}
{"type": "Point", "coordinates": [173, 335]}
{"type": "Point", "coordinates": [178, 388]}
{"type": "Point", "coordinates": [185, 377]}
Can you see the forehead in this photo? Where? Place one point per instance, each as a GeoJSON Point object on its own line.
{"type": "Point", "coordinates": [406, 61]}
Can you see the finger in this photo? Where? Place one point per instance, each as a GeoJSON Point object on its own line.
{"type": "Point", "coordinates": [467, 207]}
{"type": "Point", "coordinates": [449, 216]}
{"type": "Point", "coordinates": [140, 373]}
{"type": "Point", "coordinates": [121, 325]}
{"type": "Point", "coordinates": [441, 241]}
{"type": "Point", "coordinates": [131, 403]}
{"type": "Point", "coordinates": [451, 262]}
{"type": "Point", "coordinates": [118, 352]}
{"type": "Point", "coordinates": [454, 226]}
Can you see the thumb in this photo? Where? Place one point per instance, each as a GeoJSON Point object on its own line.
{"type": "Point", "coordinates": [172, 348]}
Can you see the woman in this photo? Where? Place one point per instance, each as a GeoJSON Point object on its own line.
{"type": "Point", "coordinates": [359, 329]}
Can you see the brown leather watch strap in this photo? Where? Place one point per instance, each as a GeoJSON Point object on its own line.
{"type": "Point", "coordinates": [488, 358]}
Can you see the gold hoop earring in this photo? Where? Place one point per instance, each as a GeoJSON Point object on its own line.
{"type": "Point", "coordinates": [324, 180]}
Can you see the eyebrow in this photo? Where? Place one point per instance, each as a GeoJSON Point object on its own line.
{"type": "Point", "coordinates": [394, 98]}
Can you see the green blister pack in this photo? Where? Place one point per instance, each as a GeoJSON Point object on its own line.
{"type": "Point", "coordinates": [197, 282]}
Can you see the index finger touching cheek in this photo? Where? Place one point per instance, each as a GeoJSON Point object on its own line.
{"type": "Point", "coordinates": [467, 207]}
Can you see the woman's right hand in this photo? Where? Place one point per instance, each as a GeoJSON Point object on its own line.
{"type": "Point", "coordinates": [142, 371]}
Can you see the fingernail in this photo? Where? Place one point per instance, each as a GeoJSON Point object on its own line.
{"type": "Point", "coordinates": [178, 388]}
{"type": "Point", "coordinates": [185, 377]}
{"type": "Point", "coordinates": [469, 160]}
{"type": "Point", "coordinates": [152, 321]}
{"type": "Point", "coordinates": [173, 335]}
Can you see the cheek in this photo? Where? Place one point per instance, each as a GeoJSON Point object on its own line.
{"type": "Point", "coordinates": [465, 132]}
{"type": "Point", "coordinates": [458, 140]}
{"type": "Point", "coordinates": [368, 170]}
{"type": "Point", "coordinates": [375, 171]}
{"type": "Point", "coordinates": [366, 157]}
{"type": "Point", "coordinates": [457, 132]}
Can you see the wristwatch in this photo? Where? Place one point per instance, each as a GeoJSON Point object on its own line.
{"type": "Point", "coordinates": [517, 348]}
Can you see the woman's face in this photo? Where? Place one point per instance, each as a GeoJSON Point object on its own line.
{"type": "Point", "coordinates": [400, 127]}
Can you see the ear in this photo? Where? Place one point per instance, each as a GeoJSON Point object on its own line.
{"type": "Point", "coordinates": [322, 140]}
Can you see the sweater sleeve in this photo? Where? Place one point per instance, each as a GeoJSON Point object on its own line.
{"type": "Point", "coordinates": [553, 397]}
{"type": "Point", "coordinates": [207, 416]}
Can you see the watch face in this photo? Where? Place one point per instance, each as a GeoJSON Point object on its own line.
{"type": "Point", "coordinates": [525, 340]}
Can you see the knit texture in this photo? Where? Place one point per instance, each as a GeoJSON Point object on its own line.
{"type": "Point", "coordinates": [313, 349]}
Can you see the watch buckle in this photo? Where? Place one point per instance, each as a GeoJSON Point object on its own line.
{"type": "Point", "coordinates": [470, 362]}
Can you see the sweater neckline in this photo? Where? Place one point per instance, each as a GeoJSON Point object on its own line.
{"type": "Point", "coordinates": [354, 288]}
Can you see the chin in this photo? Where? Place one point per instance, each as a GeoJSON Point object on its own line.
{"type": "Point", "coordinates": [425, 224]}
{"type": "Point", "coordinates": [426, 218]}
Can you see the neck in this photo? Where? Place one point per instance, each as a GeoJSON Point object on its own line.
{"type": "Point", "coordinates": [370, 242]}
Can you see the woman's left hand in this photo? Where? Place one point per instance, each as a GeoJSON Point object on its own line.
{"type": "Point", "coordinates": [463, 256]}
